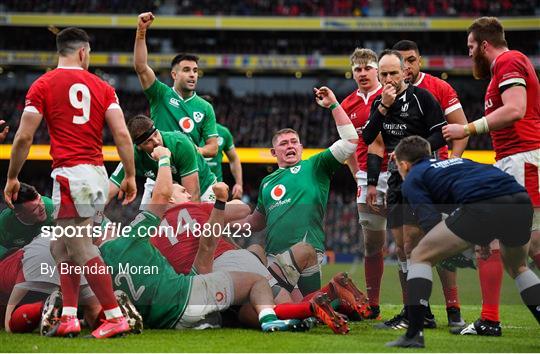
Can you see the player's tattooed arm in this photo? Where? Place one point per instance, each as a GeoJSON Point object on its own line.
{"type": "Point", "coordinates": [140, 51]}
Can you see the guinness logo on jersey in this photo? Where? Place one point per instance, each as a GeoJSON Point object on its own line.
{"type": "Point", "coordinates": [295, 169]}
{"type": "Point", "coordinates": [198, 116]}
{"type": "Point", "coordinates": [278, 192]}
{"type": "Point", "coordinates": [174, 102]}
{"type": "Point", "coordinates": [186, 124]}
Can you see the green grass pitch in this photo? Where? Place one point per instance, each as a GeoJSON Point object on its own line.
{"type": "Point", "coordinates": [521, 333]}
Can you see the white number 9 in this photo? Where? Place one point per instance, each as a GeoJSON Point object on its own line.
{"type": "Point", "coordinates": [83, 104]}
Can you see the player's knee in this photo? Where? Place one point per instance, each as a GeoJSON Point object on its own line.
{"type": "Point", "coordinates": [371, 221]}
{"type": "Point", "coordinates": [304, 255]}
{"type": "Point", "coordinates": [373, 241]}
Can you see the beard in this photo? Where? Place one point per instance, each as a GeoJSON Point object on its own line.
{"type": "Point", "coordinates": [481, 65]}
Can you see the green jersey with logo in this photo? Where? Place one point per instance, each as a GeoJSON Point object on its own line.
{"type": "Point", "coordinates": [145, 275]}
{"type": "Point", "coordinates": [185, 160]}
{"type": "Point", "coordinates": [170, 112]}
{"type": "Point", "coordinates": [225, 143]}
{"type": "Point", "coordinates": [293, 200]}
{"type": "Point", "coordinates": [15, 234]}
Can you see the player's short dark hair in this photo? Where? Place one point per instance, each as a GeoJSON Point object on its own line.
{"type": "Point", "coordinates": [70, 39]}
{"type": "Point", "coordinates": [488, 29]}
{"type": "Point", "coordinates": [27, 193]}
{"type": "Point", "coordinates": [138, 125]}
{"type": "Point", "coordinates": [406, 45]}
{"type": "Point", "coordinates": [184, 56]}
{"type": "Point", "coordinates": [412, 149]}
{"type": "Point", "coordinates": [394, 53]}
{"type": "Point", "coordinates": [283, 131]}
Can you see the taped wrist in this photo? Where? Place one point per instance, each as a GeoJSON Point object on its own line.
{"type": "Point", "coordinates": [374, 163]}
{"type": "Point", "coordinates": [347, 132]}
{"type": "Point", "coordinates": [479, 126]}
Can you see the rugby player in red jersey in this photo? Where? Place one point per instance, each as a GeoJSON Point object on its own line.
{"type": "Point", "coordinates": [75, 105]}
{"type": "Point", "coordinates": [512, 117]}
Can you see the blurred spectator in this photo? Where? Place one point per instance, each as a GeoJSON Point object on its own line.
{"type": "Point", "coordinates": [280, 7]}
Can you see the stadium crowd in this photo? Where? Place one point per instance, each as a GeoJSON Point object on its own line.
{"type": "Point", "coordinates": [357, 8]}
{"type": "Point", "coordinates": [244, 115]}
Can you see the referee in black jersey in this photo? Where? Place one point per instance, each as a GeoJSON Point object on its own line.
{"type": "Point", "coordinates": [401, 110]}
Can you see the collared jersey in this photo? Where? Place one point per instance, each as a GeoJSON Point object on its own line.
{"type": "Point", "coordinates": [170, 112]}
{"type": "Point", "coordinates": [13, 233]}
{"type": "Point", "coordinates": [414, 112]}
{"type": "Point", "coordinates": [357, 106]}
{"type": "Point", "coordinates": [185, 160]}
{"type": "Point", "coordinates": [73, 102]}
{"type": "Point", "coordinates": [293, 200]}
{"type": "Point", "coordinates": [509, 69]}
{"type": "Point", "coordinates": [179, 240]}
{"type": "Point", "coordinates": [432, 187]}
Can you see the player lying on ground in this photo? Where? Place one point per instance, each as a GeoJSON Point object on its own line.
{"type": "Point", "coordinates": [292, 200]}
{"type": "Point", "coordinates": [483, 202]}
{"type": "Point", "coordinates": [169, 300]}
{"type": "Point", "coordinates": [179, 239]}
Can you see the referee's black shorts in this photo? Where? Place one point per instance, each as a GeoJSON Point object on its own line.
{"type": "Point", "coordinates": [398, 211]}
{"type": "Point", "coordinates": [507, 218]}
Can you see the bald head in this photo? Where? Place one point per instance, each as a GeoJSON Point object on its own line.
{"type": "Point", "coordinates": [391, 69]}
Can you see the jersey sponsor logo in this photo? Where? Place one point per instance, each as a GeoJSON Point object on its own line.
{"type": "Point", "coordinates": [405, 107]}
{"type": "Point", "coordinates": [395, 129]}
{"type": "Point", "coordinates": [447, 163]}
{"type": "Point", "coordinates": [278, 192]}
{"type": "Point", "coordinates": [174, 102]}
{"type": "Point", "coordinates": [488, 104]}
{"type": "Point", "coordinates": [198, 116]}
{"type": "Point", "coordinates": [186, 124]}
{"type": "Point", "coordinates": [295, 169]}
{"type": "Point", "coordinates": [353, 116]}
{"type": "Point", "coordinates": [220, 140]}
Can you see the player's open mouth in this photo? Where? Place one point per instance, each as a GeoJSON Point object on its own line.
{"type": "Point", "coordinates": [290, 153]}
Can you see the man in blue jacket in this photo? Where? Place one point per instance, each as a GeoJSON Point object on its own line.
{"type": "Point", "coordinates": [483, 203]}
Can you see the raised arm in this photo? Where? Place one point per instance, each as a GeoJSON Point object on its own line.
{"type": "Point", "coordinates": [204, 260]}
{"type": "Point", "coordinates": [140, 51]}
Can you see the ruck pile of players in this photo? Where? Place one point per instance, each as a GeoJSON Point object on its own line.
{"type": "Point", "coordinates": [393, 134]}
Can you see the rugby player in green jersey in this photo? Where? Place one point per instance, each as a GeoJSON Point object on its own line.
{"type": "Point", "coordinates": [177, 107]}
{"type": "Point", "coordinates": [188, 167]}
{"type": "Point", "coordinates": [20, 225]}
{"type": "Point", "coordinates": [292, 200]}
{"type": "Point", "coordinates": [169, 300]}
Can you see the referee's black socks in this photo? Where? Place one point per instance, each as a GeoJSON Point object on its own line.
{"type": "Point", "coordinates": [419, 284]}
{"type": "Point", "coordinates": [528, 285]}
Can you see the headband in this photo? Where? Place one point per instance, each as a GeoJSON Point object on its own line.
{"type": "Point", "coordinates": [144, 136]}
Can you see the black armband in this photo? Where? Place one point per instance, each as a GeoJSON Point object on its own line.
{"type": "Point", "coordinates": [374, 163]}
{"type": "Point", "coordinates": [218, 204]}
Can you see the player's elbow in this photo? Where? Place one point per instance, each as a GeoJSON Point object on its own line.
{"type": "Point", "coordinates": [23, 138]}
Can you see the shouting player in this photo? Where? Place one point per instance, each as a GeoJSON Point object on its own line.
{"type": "Point", "coordinates": [289, 206]}
{"type": "Point", "coordinates": [76, 104]}
{"type": "Point", "coordinates": [512, 117]}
